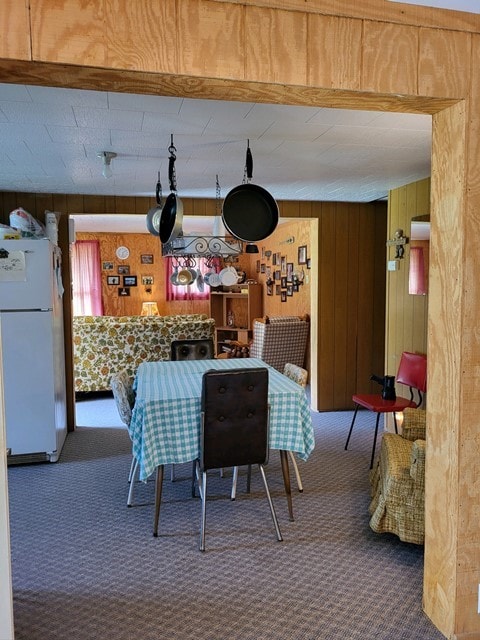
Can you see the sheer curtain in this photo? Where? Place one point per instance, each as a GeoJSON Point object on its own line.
{"type": "Point", "coordinates": [86, 277]}
{"type": "Point", "coordinates": [191, 291]}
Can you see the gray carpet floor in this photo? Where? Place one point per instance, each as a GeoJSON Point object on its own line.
{"type": "Point", "coordinates": [87, 567]}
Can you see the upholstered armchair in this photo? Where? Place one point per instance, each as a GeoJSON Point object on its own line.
{"type": "Point", "coordinates": [398, 481]}
{"type": "Point", "coordinates": [280, 339]}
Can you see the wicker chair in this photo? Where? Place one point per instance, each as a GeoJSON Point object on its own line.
{"type": "Point", "coordinates": [398, 481]}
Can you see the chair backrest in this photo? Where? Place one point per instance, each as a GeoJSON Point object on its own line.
{"type": "Point", "coordinates": [412, 372]}
{"type": "Point", "coordinates": [192, 349]}
{"type": "Point", "coordinates": [124, 395]}
{"type": "Point", "coordinates": [277, 342]}
{"type": "Point", "coordinates": [297, 374]}
{"type": "Point", "coordinates": [235, 418]}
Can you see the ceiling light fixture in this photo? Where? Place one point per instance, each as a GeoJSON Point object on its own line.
{"type": "Point", "coordinates": [107, 157]}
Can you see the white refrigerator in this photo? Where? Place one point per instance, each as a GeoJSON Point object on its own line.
{"type": "Point", "coordinates": [32, 348]}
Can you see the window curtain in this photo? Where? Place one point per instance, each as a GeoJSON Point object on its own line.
{"type": "Point", "coordinates": [191, 291]}
{"type": "Point", "coordinates": [416, 276]}
{"type": "Point", "coordinates": [86, 278]}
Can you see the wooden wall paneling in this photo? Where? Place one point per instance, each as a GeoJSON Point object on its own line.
{"type": "Point", "coordinates": [382, 11]}
{"type": "Point", "coordinates": [142, 35]}
{"type": "Point", "coordinates": [289, 208]}
{"type": "Point", "coordinates": [75, 203]}
{"type": "Point", "coordinates": [110, 204]}
{"type": "Point", "coordinates": [275, 45]}
{"type": "Point", "coordinates": [353, 293]}
{"type": "Point", "coordinates": [142, 205]}
{"type": "Point", "coordinates": [450, 381]}
{"type": "Point", "coordinates": [468, 541]}
{"type": "Point", "coordinates": [15, 20]}
{"type": "Point", "coordinates": [366, 263]}
{"type": "Point", "coordinates": [69, 34]}
{"type": "Point", "coordinates": [212, 39]}
{"type": "Point", "coordinates": [125, 204]}
{"type": "Point", "coordinates": [326, 319]}
{"type": "Point", "coordinates": [388, 47]}
{"type": "Point", "coordinates": [94, 204]}
{"type": "Point", "coordinates": [379, 286]}
{"type": "Point", "coordinates": [330, 62]}
{"type": "Point", "coordinates": [440, 50]}
{"type": "Point", "coordinates": [341, 306]}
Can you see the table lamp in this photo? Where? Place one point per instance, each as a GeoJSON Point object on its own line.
{"type": "Point", "coordinates": [150, 309]}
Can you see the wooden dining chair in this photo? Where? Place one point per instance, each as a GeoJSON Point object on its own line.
{"type": "Point", "coordinates": [123, 394]}
{"type": "Point", "coordinates": [300, 376]}
{"type": "Point", "coordinates": [192, 349]}
{"type": "Point", "coordinates": [234, 428]}
{"type": "Point", "coordinates": [412, 372]}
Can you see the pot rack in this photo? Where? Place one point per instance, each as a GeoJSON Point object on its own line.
{"type": "Point", "coordinates": [203, 246]}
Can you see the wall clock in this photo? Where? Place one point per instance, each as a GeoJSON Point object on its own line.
{"type": "Point", "coordinates": [122, 253]}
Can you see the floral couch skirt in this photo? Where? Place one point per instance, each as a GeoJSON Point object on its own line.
{"type": "Point", "coordinates": [104, 345]}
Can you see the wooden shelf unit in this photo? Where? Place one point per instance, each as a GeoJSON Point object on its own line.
{"type": "Point", "coordinates": [245, 305]}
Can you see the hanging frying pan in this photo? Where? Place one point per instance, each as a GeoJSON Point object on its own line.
{"type": "Point", "coordinates": [171, 219]}
{"type": "Point", "coordinates": [250, 212]}
{"type": "Point", "coordinates": [153, 215]}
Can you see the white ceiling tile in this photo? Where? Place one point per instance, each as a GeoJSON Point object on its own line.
{"type": "Point", "coordinates": [38, 113]}
{"type": "Point", "coordinates": [68, 97]}
{"type": "Point", "coordinates": [108, 118]}
{"type": "Point", "coordinates": [14, 93]}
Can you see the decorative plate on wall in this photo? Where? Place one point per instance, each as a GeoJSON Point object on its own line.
{"type": "Point", "coordinates": [122, 253]}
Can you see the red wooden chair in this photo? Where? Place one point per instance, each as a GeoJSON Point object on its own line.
{"type": "Point", "coordinates": [412, 372]}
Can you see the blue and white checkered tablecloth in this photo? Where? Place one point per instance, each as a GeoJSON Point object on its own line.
{"type": "Point", "coordinates": [165, 425]}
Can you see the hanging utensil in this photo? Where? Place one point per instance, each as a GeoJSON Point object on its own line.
{"type": "Point", "coordinates": [154, 214]}
{"type": "Point", "coordinates": [171, 219]}
{"type": "Point", "coordinates": [250, 212]}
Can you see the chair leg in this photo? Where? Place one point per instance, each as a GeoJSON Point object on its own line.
{"type": "Point", "coordinates": [297, 472]}
{"type": "Point", "coordinates": [249, 477]}
{"type": "Point", "coordinates": [374, 440]}
{"type": "Point", "coordinates": [204, 510]}
{"type": "Point", "coordinates": [132, 468]}
{"type": "Point", "coordinates": [133, 471]}
{"type": "Point", "coordinates": [286, 482]}
{"type": "Point", "coordinates": [172, 473]}
{"type": "Point", "coordinates": [158, 498]}
{"type": "Point", "coordinates": [194, 477]}
{"type": "Point", "coordinates": [395, 422]}
{"type": "Point", "coordinates": [269, 498]}
{"type": "Point", "coordinates": [234, 483]}
{"type": "Point", "coordinates": [351, 426]}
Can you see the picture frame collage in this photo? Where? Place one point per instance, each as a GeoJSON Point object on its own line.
{"type": "Point", "coordinates": [124, 280]}
{"type": "Point", "coordinates": [281, 277]}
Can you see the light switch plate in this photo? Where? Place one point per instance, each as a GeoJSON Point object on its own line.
{"type": "Point", "coordinates": [393, 265]}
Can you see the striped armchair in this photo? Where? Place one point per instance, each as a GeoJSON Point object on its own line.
{"type": "Point", "coordinates": [398, 481]}
{"type": "Point", "coordinates": [280, 339]}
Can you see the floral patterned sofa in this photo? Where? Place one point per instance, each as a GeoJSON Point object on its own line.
{"type": "Point", "coordinates": [104, 345]}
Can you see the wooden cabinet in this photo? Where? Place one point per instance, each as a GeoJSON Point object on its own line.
{"type": "Point", "coordinates": [233, 311]}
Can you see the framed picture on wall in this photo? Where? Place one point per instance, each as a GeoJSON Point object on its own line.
{"type": "Point", "coordinates": [129, 281]}
{"type": "Point", "coordinates": [284, 282]}
{"type": "Point", "coordinates": [283, 296]}
{"type": "Point", "coordinates": [123, 291]}
{"type": "Point", "coordinates": [123, 269]}
{"type": "Point", "coordinates": [289, 271]}
{"type": "Point", "coordinates": [302, 254]}
{"type": "Point", "coordinates": [277, 275]}
{"type": "Point", "coordinates": [278, 289]}
{"type": "Point", "coordinates": [146, 258]}
{"type": "Point", "coordinates": [289, 290]}
{"type": "Point", "coordinates": [283, 265]}
{"type": "Point", "coordinates": [113, 280]}
{"type": "Point", "coordinates": [147, 279]}
{"type": "Point", "coordinates": [107, 266]}
{"type": "Point", "coordinates": [258, 266]}
{"type": "Point", "coordinates": [269, 289]}
{"type": "Point", "coordinates": [309, 263]}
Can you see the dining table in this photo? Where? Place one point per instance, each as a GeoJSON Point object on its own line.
{"type": "Point", "coordinates": [166, 419]}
